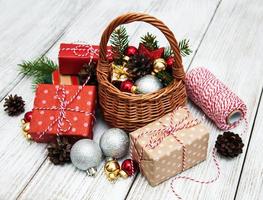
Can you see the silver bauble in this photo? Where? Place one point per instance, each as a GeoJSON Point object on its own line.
{"type": "Point", "coordinates": [148, 84]}
{"type": "Point", "coordinates": [86, 155]}
{"type": "Point", "coordinates": [114, 143]}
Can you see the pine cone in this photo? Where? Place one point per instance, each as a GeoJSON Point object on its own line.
{"type": "Point", "coordinates": [88, 70]}
{"type": "Point", "coordinates": [14, 105]}
{"type": "Point", "coordinates": [59, 153]}
{"type": "Point", "coordinates": [229, 144]}
{"type": "Point", "coordinates": [139, 66]}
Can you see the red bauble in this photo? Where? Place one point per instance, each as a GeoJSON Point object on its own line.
{"type": "Point", "coordinates": [28, 116]}
{"type": "Point", "coordinates": [126, 86]}
{"type": "Point", "coordinates": [155, 54]}
{"type": "Point", "coordinates": [127, 166]}
{"type": "Point", "coordinates": [170, 62]}
{"type": "Point", "coordinates": [131, 51]}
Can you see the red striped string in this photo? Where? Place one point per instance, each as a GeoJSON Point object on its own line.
{"type": "Point", "coordinates": [214, 98]}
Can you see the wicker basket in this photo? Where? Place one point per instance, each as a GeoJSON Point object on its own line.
{"type": "Point", "coordinates": [131, 111]}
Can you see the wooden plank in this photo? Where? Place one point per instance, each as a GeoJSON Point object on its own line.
{"type": "Point", "coordinates": [232, 44]}
{"type": "Point", "coordinates": [28, 30]}
{"type": "Point", "coordinates": [19, 159]}
{"type": "Point", "coordinates": [50, 182]}
{"type": "Point", "coordinates": [251, 182]}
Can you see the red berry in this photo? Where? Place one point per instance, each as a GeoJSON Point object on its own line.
{"type": "Point", "coordinates": [127, 166]}
{"type": "Point", "coordinates": [28, 116]}
{"type": "Point", "coordinates": [131, 51]}
{"type": "Point", "coordinates": [170, 62]}
{"type": "Point", "coordinates": [126, 86]}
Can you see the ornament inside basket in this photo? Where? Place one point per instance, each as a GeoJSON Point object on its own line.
{"type": "Point", "coordinates": [130, 111]}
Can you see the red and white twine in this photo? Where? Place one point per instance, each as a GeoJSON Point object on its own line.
{"type": "Point", "coordinates": [62, 108]}
{"type": "Point", "coordinates": [214, 98]}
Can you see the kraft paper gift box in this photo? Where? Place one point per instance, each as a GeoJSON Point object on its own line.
{"type": "Point", "coordinates": [163, 153]}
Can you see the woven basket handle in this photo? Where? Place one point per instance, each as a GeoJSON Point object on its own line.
{"type": "Point", "coordinates": [178, 71]}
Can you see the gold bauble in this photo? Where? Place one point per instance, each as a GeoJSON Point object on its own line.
{"type": "Point", "coordinates": [112, 169]}
{"type": "Point", "coordinates": [159, 65]}
{"type": "Point", "coordinates": [26, 127]}
{"type": "Point", "coordinates": [125, 60]}
{"type": "Point", "coordinates": [123, 174]}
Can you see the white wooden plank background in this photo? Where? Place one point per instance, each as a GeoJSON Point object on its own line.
{"type": "Point", "coordinates": [225, 37]}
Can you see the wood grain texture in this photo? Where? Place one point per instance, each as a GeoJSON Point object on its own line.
{"type": "Point", "coordinates": [28, 30]}
{"type": "Point", "coordinates": [251, 182]}
{"type": "Point", "coordinates": [64, 186]}
{"type": "Point", "coordinates": [226, 39]}
{"type": "Point", "coordinates": [229, 47]}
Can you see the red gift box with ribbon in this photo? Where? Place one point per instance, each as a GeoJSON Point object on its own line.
{"type": "Point", "coordinates": [63, 110]}
{"type": "Point", "coordinates": [72, 57]}
{"type": "Point", "coordinates": [169, 145]}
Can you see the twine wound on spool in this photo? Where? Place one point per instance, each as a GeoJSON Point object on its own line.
{"type": "Point", "coordinates": [217, 101]}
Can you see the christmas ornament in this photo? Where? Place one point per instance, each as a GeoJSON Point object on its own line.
{"type": "Point", "coordinates": [148, 84]}
{"type": "Point", "coordinates": [14, 105]}
{"type": "Point", "coordinates": [86, 155]}
{"type": "Point", "coordinates": [114, 143]}
{"type": "Point", "coordinates": [229, 144]}
{"type": "Point", "coordinates": [25, 129]}
{"type": "Point", "coordinates": [127, 166]}
{"type": "Point", "coordinates": [159, 65]}
{"type": "Point", "coordinates": [59, 152]}
{"type": "Point", "coordinates": [170, 62]}
{"type": "Point", "coordinates": [112, 169]}
{"type": "Point", "coordinates": [128, 86]}
{"type": "Point", "coordinates": [131, 51]}
{"type": "Point", "coordinates": [139, 66]}
{"type": "Point", "coordinates": [28, 116]}
{"type": "Point", "coordinates": [119, 73]}
{"type": "Point", "coordinates": [165, 77]}
{"type": "Point", "coordinates": [125, 61]}
{"type": "Point", "coordinates": [158, 53]}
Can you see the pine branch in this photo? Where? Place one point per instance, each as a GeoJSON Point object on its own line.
{"type": "Point", "coordinates": [149, 41]}
{"type": "Point", "coordinates": [168, 52]}
{"type": "Point", "coordinates": [119, 42]}
{"type": "Point", "coordinates": [39, 69]}
{"type": "Point", "coordinates": [165, 77]}
{"type": "Point", "coordinates": [184, 47]}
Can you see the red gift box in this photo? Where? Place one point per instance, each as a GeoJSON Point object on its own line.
{"type": "Point", "coordinates": [72, 57]}
{"type": "Point", "coordinates": [65, 110]}
{"type": "Point", "coordinates": [59, 79]}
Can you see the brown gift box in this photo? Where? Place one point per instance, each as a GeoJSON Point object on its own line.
{"type": "Point", "coordinates": [166, 159]}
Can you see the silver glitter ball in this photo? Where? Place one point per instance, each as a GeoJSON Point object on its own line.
{"type": "Point", "coordinates": [148, 84]}
{"type": "Point", "coordinates": [86, 154]}
{"type": "Point", "coordinates": [114, 143]}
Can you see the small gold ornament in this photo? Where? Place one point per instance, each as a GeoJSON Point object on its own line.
{"type": "Point", "coordinates": [159, 65]}
{"type": "Point", "coordinates": [112, 170]}
{"type": "Point", "coordinates": [125, 60]}
{"type": "Point", "coordinates": [25, 129]}
{"type": "Point", "coordinates": [119, 73]}
{"type": "Point", "coordinates": [123, 174]}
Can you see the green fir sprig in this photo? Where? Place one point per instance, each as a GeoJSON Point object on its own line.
{"type": "Point", "coordinates": [149, 41]}
{"type": "Point", "coordinates": [39, 69]}
{"type": "Point", "coordinates": [119, 41]}
{"type": "Point", "coordinates": [184, 48]}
